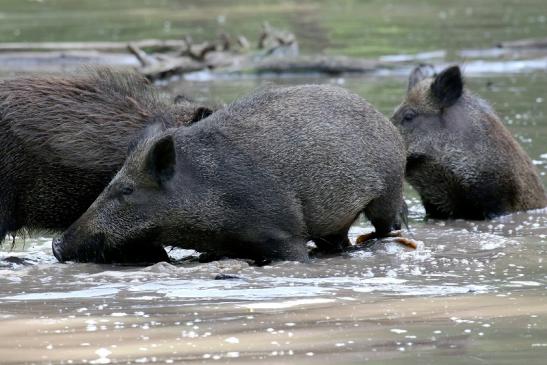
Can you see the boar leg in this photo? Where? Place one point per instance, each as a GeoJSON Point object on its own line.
{"type": "Point", "coordinates": [294, 250]}
{"type": "Point", "coordinates": [3, 232]}
{"type": "Point", "coordinates": [6, 221]}
{"type": "Point", "coordinates": [206, 257]}
{"type": "Point", "coordinates": [334, 243]}
{"type": "Point", "coordinates": [284, 249]}
{"type": "Point", "coordinates": [384, 214]}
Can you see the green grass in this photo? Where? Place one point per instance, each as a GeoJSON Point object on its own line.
{"type": "Point", "coordinates": [357, 28]}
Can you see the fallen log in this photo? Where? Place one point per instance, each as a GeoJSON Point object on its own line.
{"type": "Point", "coordinates": [143, 58]}
{"type": "Point", "coordinates": [168, 66]}
{"type": "Point", "coordinates": [151, 44]}
{"type": "Point", "coordinates": [158, 66]}
{"type": "Point", "coordinates": [59, 61]}
{"type": "Point", "coordinates": [321, 64]}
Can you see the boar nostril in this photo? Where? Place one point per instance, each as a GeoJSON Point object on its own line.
{"type": "Point", "coordinates": [57, 251]}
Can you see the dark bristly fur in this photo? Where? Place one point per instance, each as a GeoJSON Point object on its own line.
{"type": "Point", "coordinates": [256, 180]}
{"type": "Point", "coordinates": [460, 158]}
{"type": "Point", "coordinates": [62, 139]}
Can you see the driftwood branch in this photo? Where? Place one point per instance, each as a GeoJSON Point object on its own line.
{"type": "Point", "coordinates": [143, 58]}
{"type": "Point", "coordinates": [171, 65]}
{"type": "Point", "coordinates": [277, 52]}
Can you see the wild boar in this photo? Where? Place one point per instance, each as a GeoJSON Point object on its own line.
{"type": "Point", "coordinates": [255, 180]}
{"type": "Point", "coordinates": [460, 158]}
{"type": "Point", "coordinates": [63, 138]}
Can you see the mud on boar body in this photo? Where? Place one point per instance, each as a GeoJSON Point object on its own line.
{"type": "Point", "coordinates": [255, 180]}
{"type": "Point", "coordinates": [63, 138]}
{"type": "Point", "coordinates": [460, 158]}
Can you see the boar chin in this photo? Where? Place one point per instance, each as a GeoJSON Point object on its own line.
{"type": "Point", "coordinates": [95, 250]}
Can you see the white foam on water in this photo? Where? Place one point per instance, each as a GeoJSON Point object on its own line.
{"type": "Point", "coordinates": [245, 294]}
{"type": "Point", "coordinates": [103, 356]}
{"type": "Point", "coordinates": [510, 66]}
{"type": "Point", "coordinates": [232, 340]}
{"type": "Point", "coordinates": [423, 290]}
{"type": "Point", "coordinates": [383, 280]}
{"type": "Point", "coordinates": [287, 304]}
{"type": "Point", "coordinates": [519, 283]}
{"type": "Point", "coordinates": [202, 76]}
{"type": "Point", "coordinates": [85, 293]}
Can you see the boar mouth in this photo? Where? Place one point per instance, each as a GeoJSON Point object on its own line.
{"type": "Point", "coordinates": [95, 249]}
{"type": "Point", "coordinates": [414, 161]}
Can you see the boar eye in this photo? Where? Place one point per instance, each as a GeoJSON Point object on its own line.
{"type": "Point", "coordinates": [127, 190]}
{"type": "Point", "coordinates": [409, 115]}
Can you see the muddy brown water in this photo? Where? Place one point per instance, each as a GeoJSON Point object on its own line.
{"type": "Point", "coordinates": [473, 292]}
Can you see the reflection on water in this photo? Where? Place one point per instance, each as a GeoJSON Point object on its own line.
{"type": "Point", "coordinates": [473, 292]}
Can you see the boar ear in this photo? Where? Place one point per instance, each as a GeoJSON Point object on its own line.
{"type": "Point", "coordinates": [201, 113]}
{"type": "Point", "coordinates": [448, 86]}
{"type": "Point", "coordinates": [161, 159]}
{"type": "Point", "coordinates": [423, 71]}
{"type": "Point", "coordinates": [146, 133]}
